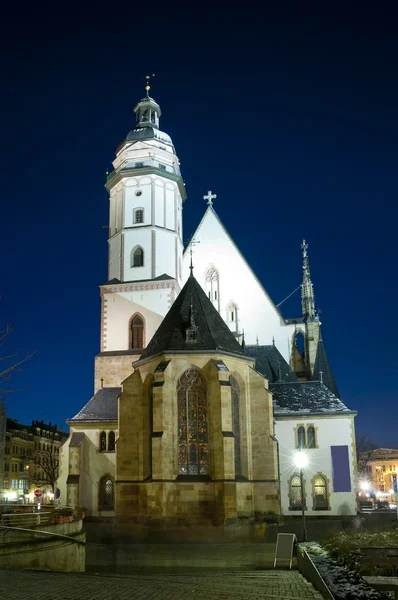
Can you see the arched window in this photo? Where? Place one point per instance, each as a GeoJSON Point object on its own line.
{"type": "Point", "coordinates": [310, 437]}
{"type": "Point", "coordinates": [299, 343]}
{"type": "Point", "coordinates": [137, 257]}
{"type": "Point", "coordinates": [301, 437]}
{"type": "Point", "coordinates": [111, 441]}
{"type": "Point", "coordinates": [102, 441]}
{"type": "Point", "coordinates": [235, 397]}
{"type": "Point", "coordinates": [106, 493]}
{"type": "Point", "coordinates": [295, 493]}
{"type": "Point", "coordinates": [192, 424]}
{"type": "Point", "coordinates": [213, 286]}
{"type": "Point", "coordinates": [137, 332]}
{"type": "Point", "coordinates": [320, 493]}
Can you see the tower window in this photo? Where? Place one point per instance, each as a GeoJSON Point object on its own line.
{"type": "Point", "coordinates": [137, 257]}
{"type": "Point", "coordinates": [138, 215]}
{"type": "Point", "coordinates": [137, 332]}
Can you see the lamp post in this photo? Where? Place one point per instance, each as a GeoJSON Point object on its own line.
{"type": "Point", "coordinates": [301, 461]}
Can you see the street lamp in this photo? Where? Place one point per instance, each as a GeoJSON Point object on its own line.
{"type": "Point", "coordinates": [301, 461]}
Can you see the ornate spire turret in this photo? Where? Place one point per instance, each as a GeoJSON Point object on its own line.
{"type": "Point", "coordinates": [307, 290]}
{"type": "Point", "coordinates": [147, 110]}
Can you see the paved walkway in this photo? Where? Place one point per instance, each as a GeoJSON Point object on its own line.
{"type": "Point", "coordinates": [277, 585]}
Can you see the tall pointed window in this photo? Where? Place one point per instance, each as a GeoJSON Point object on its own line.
{"type": "Point", "coordinates": [310, 437]}
{"type": "Point", "coordinates": [235, 398]}
{"type": "Point", "coordinates": [137, 332]}
{"type": "Point", "coordinates": [192, 424]}
{"type": "Point", "coordinates": [106, 493]}
{"type": "Point", "coordinates": [301, 437]}
{"type": "Point", "coordinates": [137, 257]}
{"type": "Point", "coordinates": [295, 493]}
{"type": "Point", "coordinates": [320, 493]}
{"type": "Point", "coordinates": [213, 286]}
{"type": "Point", "coordinates": [102, 441]}
{"type": "Point", "coordinates": [111, 441]}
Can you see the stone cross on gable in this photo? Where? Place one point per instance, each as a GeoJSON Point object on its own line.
{"type": "Point", "coordinates": [210, 197]}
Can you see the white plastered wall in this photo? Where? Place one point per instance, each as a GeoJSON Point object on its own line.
{"type": "Point", "coordinates": [329, 432]}
{"type": "Point", "coordinates": [257, 314]}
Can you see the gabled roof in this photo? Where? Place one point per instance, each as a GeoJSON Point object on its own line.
{"type": "Point", "coordinates": [211, 210]}
{"type": "Point", "coordinates": [271, 364]}
{"type": "Point", "coordinates": [192, 308]}
{"type": "Point", "coordinates": [322, 369]}
{"type": "Point", "coordinates": [306, 397]}
{"type": "Point", "coordinates": [101, 407]}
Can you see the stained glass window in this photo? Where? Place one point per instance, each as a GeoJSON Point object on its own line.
{"type": "Point", "coordinates": [295, 493]}
{"type": "Point", "coordinates": [301, 437]}
{"type": "Point", "coordinates": [235, 396]}
{"type": "Point", "coordinates": [192, 424]}
{"type": "Point", "coordinates": [320, 493]}
{"type": "Point", "coordinates": [102, 441]}
{"type": "Point", "coordinates": [106, 493]}
{"type": "Point", "coordinates": [310, 437]}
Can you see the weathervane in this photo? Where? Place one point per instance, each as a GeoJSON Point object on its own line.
{"type": "Point", "coordinates": [148, 87]}
{"type": "Point", "coordinates": [210, 197]}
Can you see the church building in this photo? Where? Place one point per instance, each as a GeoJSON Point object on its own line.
{"type": "Point", "coordinates": [204, 393]}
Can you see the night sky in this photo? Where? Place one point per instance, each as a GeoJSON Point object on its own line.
{"type": "Point", "coordinates": [291, 120]}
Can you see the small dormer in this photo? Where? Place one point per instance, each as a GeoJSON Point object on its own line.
{"type": "Point", "coordinates": [147, 113]}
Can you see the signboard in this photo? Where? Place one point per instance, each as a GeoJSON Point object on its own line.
{"type": "Point", "coordinates": [395, 483]}
{"type": "Point", "coordinates": [284, 547]}
{"type": "Point", "coordinates": [37, 493]}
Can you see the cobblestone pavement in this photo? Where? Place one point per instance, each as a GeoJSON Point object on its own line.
{"type": "Point", "coordinates": [276, 584]}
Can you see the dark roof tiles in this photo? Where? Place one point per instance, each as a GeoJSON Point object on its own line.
{"type": "Point", "coordinates": [305, 397]}
{"type": "Point", "coordinates": [101, 407]}
{"type": "Point", "coordinates": [270, 363]}
{"type": "Point", "coordinates": [212, 332]}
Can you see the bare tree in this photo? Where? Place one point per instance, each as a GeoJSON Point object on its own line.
{"type": "Point", "coordinates": [42, 469]}
{"type": "Point", "coordinates": [10, 363]}
{"type": "Point", "coordinates": [365, 447]}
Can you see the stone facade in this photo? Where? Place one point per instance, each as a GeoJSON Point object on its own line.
{"type": "Point", "coordinates": [148, 482]}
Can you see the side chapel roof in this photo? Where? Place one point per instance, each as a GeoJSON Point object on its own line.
{"type": "Point", "coordinates": [193, 308]}
{"type": "Point", "coordinates": [305, 397]}
{"type": "Point", "coordinates": [101, 407]}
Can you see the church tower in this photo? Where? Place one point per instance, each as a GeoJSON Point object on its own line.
{"type": "Point", "coordinates": [310, 318]}
{"type": "Point", "coordinates": [145, 247]}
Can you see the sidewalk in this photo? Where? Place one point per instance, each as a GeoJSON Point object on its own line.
{"type": "Point", "coordinates": [276, 585]}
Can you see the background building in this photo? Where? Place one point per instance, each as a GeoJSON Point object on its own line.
{"type": "Point", "coordinates": [31, 460]}
{"type": "Point", "coordinates": [378, 467]}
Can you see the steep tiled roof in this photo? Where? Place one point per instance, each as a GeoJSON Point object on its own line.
{"type": "Point", "coordinates": [305, 397]}
{"type": "Point", "coordinates": [270, 363]}
{"type": "Point", "coordinates": [101, 407]}
{"type": "Point", "coordinates": [192, 306]}
{"type": "Point", "coordinates": [322, 368]}
{"type": "Point", "coordinates": [116, 281]}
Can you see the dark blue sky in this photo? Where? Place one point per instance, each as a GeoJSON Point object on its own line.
{"type": "Point", "coordinates": [291, 121]}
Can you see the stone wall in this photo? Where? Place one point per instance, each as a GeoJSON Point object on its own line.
{"type": "Point", "coordinates": [43, 552]}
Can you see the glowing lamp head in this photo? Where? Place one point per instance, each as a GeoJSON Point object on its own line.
{"type": "Point", "coordinates": [301, 460]}
{"type": "Point", "coordinates": [364, 485]}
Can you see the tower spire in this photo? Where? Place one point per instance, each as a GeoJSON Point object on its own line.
{"type": "Point", "coordinates": [307, 290]}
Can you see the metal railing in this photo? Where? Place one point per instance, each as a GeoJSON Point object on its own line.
{"type": "Point", "coordinates": [5, 530]}
{"type": "Point", "coordinates": [27, 519]}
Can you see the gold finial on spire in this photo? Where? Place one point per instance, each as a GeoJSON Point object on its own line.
{"type": "Point", "coordinates": [148, 87]}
